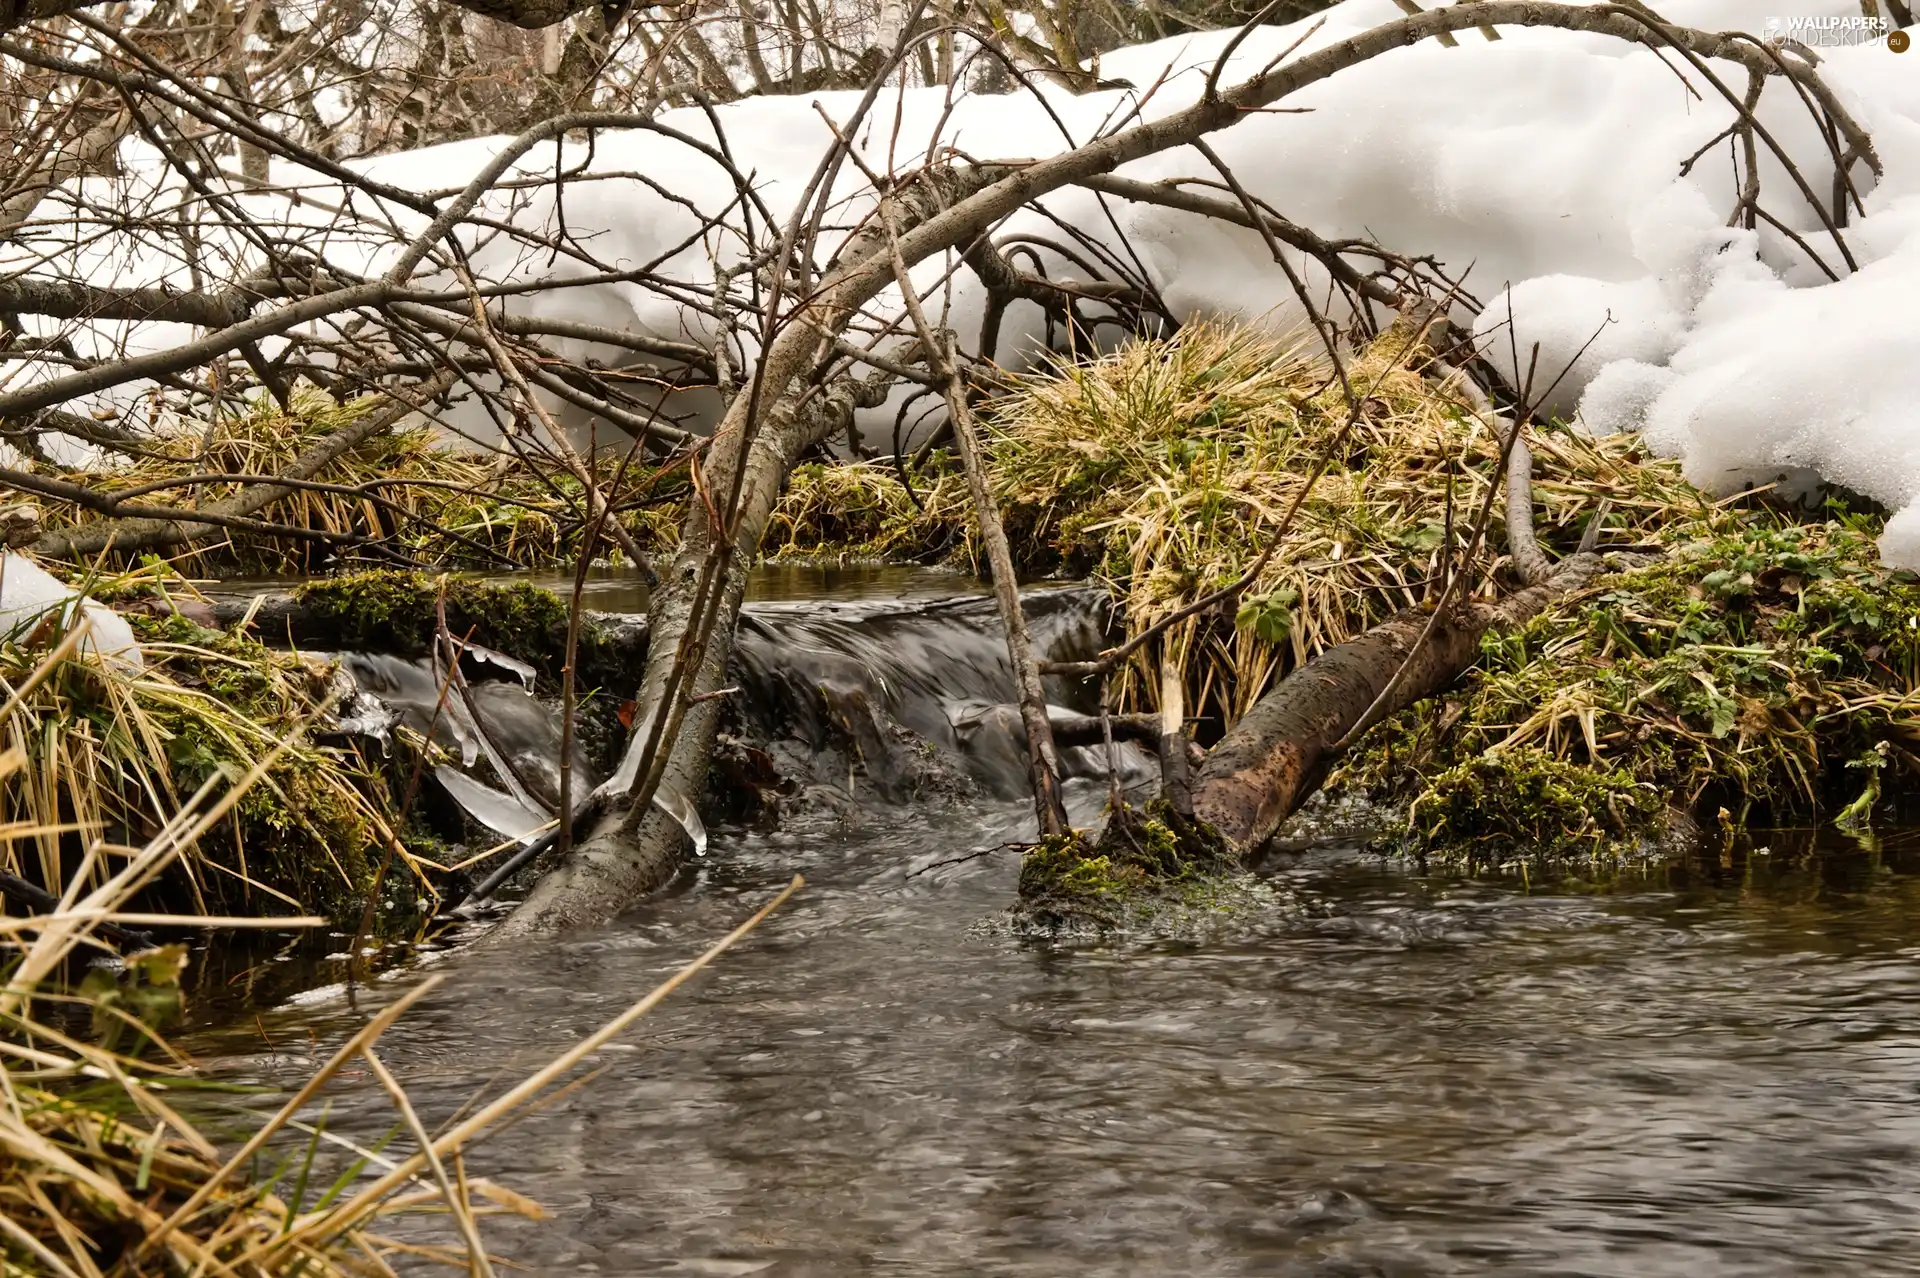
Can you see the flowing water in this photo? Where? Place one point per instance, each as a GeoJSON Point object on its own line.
{"type": "Point", "coordinates": [1709, 1068]}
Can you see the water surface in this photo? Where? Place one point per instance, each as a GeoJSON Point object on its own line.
{"type": "Point", "coordinates": [623, 590]}
{"type": "Point", "coordinates": [1704, 1070]}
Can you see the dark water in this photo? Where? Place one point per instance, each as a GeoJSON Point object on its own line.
{"type": "Point", "coordinates": [1706, 1068]}
{"type": "Point", "coordinates": [1702, 1070]}
{"type": "Point", "coordinates": [624, 590]}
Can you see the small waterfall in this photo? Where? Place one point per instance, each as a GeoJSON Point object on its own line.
{"type": "Point", "coordinates": [899, 695]}
{"type": "Point", "coordinates": [862, 703]}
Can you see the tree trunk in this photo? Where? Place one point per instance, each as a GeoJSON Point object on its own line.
{"type": "Point", "coordinates": [1278, 754]}
{"type": "Point", "coordinates": [633, 849]}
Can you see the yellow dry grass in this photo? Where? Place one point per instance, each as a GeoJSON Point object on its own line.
{"type": "Point", "coordinates": [439, 503]}
{"type": "Point", "coordinates": [109, 753]}
{"type": "Point", "coordinates": [101, 1171]}
{"type": "Point", "coordinates": [1165, 468]}
{"type": "Point", "coordinates": [1168, 467]}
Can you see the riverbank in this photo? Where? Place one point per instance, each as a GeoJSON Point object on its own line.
{"type": "Point", "coordinates": [1733, 655]}
{"type": "Point", "coordinates": [102, 1172]}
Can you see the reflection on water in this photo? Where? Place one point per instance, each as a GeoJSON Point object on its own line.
{"type": "Point", "coordinates": [1711, 1069]}
{"type": "Point", "coordinates": [622, 590]}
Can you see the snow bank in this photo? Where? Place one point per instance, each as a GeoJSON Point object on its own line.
{"type": "Point", "coordinates": [1549, 163]}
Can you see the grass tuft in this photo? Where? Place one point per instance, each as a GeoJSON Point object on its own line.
{"type": "Point", "coordinates": [109, 753]}
{"type": "Point", "coordinates": [437, 503]}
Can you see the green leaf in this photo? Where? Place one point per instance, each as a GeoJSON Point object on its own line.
{"type": "Point", "coordinates": [1269, 616]}
{"type": "Point", "coordinates": [1424, 538]}
{"type": "Point", "coordinates": [1725, 713]}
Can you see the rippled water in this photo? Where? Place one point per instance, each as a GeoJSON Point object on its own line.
{"type": "Point", "coordinates": [1707, 1070]}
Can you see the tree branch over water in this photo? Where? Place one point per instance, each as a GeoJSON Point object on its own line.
{"type": "Point", "coordinates": [786, 316]}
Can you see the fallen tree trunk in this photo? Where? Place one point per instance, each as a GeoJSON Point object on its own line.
{"type": "Point", "coordinates": [1269, 762]}
{"type": "Point", "coordinates": [1276, 756]}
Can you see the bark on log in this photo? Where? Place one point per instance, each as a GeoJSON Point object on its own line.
{"type": "Point", "coordinates": [1277, 755]}
{"type": "Point", "coordinates": [634, 850]}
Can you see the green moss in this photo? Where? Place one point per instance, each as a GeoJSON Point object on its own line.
{"type": "Point", "coordinates": [121, 752]}
{"type": "Point", "coordinates": [1142, 859]}
{"type": "Point", "coordinates": [1065, 868]}
{"type": "Point", "coordinates": [1529, 803]}
{"type": "Point", "coordinates": [399, 612]}
{"type": "Point", "coordinates": [1745, 667]}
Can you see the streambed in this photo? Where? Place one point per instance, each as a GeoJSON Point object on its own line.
{"type": "Point", "coordinates": [1702, 1069]}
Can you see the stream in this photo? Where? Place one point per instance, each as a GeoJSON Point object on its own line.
{"type": "Point", "coordinates": [1700, 1068]}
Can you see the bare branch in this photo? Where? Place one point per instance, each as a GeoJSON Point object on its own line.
{"type": "Point", "coordinates": [152, 533]}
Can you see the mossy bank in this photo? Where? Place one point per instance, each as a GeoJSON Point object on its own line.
{"type": "Point", "coordinates": [1735, 654]}
{"type": "Point", "coordinates": [109, 755]}
{"type": "Point", "coordinates": [1760, 668]}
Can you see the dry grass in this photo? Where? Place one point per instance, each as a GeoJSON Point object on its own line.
{"type": "Point", "coordinates": [99, 1172]}
{"type": "Point", "coordinates": [102, 1174]}
{"type": "Point", "coordinates": [109, 753]}
{"type": "Point", "coordinates": [1168, 467]}
{"type": "Point", "coordinates": [442, 504]}
{"type": "Point", "coordinates": [860, 512]}
{"type": "Point", "coordinates": [1164, 469]}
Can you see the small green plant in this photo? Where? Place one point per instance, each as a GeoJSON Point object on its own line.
{"type": "Point", "coordinates": [1528, 803]}
{"type": "Point", "coordinates": [1759, 659]}
{"type": "Point", "coordinates": [1859, 814]}
{"type": "Point", "coordinates": [1269, 616]}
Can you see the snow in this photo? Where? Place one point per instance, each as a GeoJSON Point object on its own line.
{"type": "Point", "coordinates": [30, 598]}
{"type": "Point", "coordinates": [1548, 163]}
